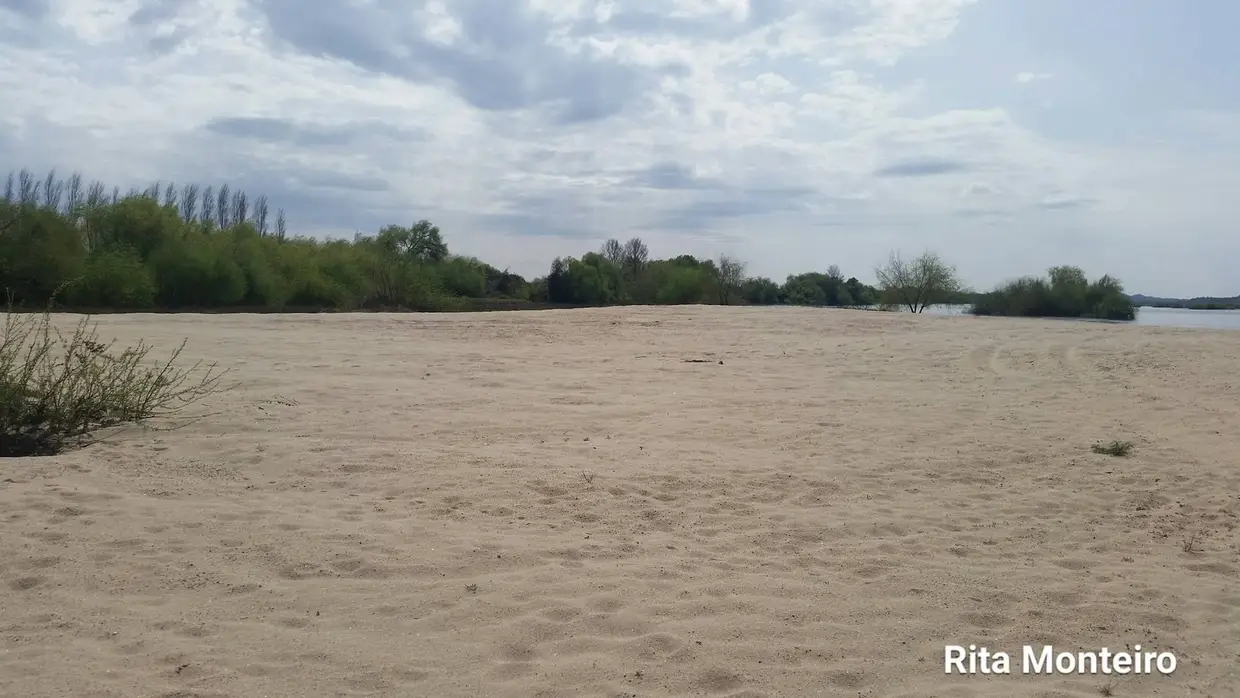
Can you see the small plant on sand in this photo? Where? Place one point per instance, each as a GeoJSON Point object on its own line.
{"type": "Point", "coordinates": [56, 390]}
{"type": "Point", "coordinates": [1107, 689]}
{"type": "Point", "coordinates": [1119, 449]}
{"type": "Point", "coordinates": [1190, 543]}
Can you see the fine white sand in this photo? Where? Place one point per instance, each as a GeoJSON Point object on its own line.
{"type": "Point", "coordinates": [559, 504]}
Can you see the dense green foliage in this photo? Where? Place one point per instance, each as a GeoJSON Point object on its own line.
{"type": "Point", "coordinates": [1066, 293]}
{"type": "Point", "coordinates": [205, 248]}
{"type": "Point", "coordinates": [193, 248]}
{"type": "Point", "coordinates": [600, 279]}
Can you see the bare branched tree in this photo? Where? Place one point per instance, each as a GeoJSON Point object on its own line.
{"type": "Point", "coordinates": [240, 207]}
{"type": "Point", "coordinates": [10, 188]}
{"type": "Point", "coordinates": [636, 254]}
{"type": "Point", "coordinates": [189, 202]}
{"type": "Point", "coordinates": [917, 284]}
{"type": "Point", "coordinates": [27, 188]}
{"type": "Point", "coordinates": [170, 195]}
{"type": "Point", "coordinates": [96, 194]}
{"type": "Point", "coordinates": [221, 207]}
{"type": "Point", "coordinates": [116, 194]}
{"type": "Point", "coordinates": [730, 273]}
{"type": "Point", "coordinates": [260, 214]}
{"type": "Point", "coordinates": [152, 192]}
{"type": "Point", "coordinates": [53, 192]}
{"type": "Point", "coordinates": [613, 251]}
{"type": "Point", "coordinates": [208, 205]}
{"type": "Point", "coordinates": [75, 196]}
{"type": "Point", "coordinates": [281, 225]}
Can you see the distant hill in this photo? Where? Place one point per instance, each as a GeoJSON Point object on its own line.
{"type": "Point", "coordinates": [1198, 303]}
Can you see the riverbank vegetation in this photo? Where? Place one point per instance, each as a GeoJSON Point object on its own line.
{"type": "Point", "coordinates": [1065, 293]}
{"type": "Point", "coordinates": [172, 247]}
{"type": "Point", "coordinates": [1198, 303]}
{"type": "Point", "coordinates": [203, 248]}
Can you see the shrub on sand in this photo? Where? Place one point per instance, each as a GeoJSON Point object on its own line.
{"type": "Point", "coordinates": [1117, 448]}
{"type": "Point", "coordinates": [57, 390]}
{"type": "Point", "coordinates": [1066, 293]}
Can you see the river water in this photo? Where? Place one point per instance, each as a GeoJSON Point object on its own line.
{"type": "Point", "coordinates": [1161, 317]}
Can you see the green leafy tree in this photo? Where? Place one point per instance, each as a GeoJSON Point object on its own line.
{"type": "Point", "coordinates": [462, 276]}
{"type": "Point", "coordinates": [140, 223]}
{"type": "Point", "coordinates": [115, 277]}
{"type": "Point", "coordinates": [39, 254]}
{"type": "Point", "coordinates": [859, 293]}
{"type": "Point", "coordinates": [761, 291]}
{"type": "Point", "coordinates": [804, 290]}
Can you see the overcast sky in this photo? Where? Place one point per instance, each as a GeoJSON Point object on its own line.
{"type": "Point", "coordinates": [1008, 135]}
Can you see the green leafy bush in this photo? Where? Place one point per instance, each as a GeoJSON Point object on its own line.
{"type": "Point", "coordinates": [57, 390]}
{"type": "Point", "coordinates": [1065, 293]}
{"type": "Point", "coordinates": [114, 278]}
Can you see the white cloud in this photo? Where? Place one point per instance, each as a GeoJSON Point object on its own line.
{"type": "Point", "coordinates": [978, 189]}
{"type": "Point", "coordinates": [535, 128]}
{"type": "Point", "coordinates": [1026, 77]}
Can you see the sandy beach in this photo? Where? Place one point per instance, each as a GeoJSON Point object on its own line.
{"type": "Point", "coordinates": [638, 502]}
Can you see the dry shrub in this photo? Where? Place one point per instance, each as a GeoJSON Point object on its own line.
{"type": "Point", "coordinates": [56, 390]}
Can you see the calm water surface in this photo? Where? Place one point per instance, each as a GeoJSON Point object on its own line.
{"type": "Point", "coordinates": [1161, 317]}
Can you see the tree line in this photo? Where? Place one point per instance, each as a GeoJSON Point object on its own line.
{"type": "Point", "coordinates": [190, 246]}
{"type": "Point", "coordinates": [88, 246]}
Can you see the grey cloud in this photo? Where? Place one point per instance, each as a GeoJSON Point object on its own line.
{"type": "Point", "coordinates": [983, 214]}
{"type": "Point", "coordinates": [541, 215]}
{"type": "Point", "coordinates": [926, 167]}
{"type": "Point", "coordinates": [682, 102]}
{"type": "Point", "coordinates": [738, 203]}
{"type": "Point", "coordinates": [155, 11]}
{"type": "Point", "coordinates": [579, 165]}
{"type": "Point", "coordinates": [258, 128]}
{"type": "Point", "coordinates": [532, 225]}
{"type": "Point", "coordinates": [145, 21]}
{"type": "Point", "coordinates": [720, 27]}
{"type": "Point", "coordinates": [307, 135]}
{"type": "Point", "coordinates": [763, 12]}
{"type": "Point", "coordinates": [649, 23]}
{"type": "Point", "coordinates": [507, 64]}
{"type": "Point", "coordinates": [170, 42]}
{"type": "Point", "coordinates": [977, 189]}
{"type": "Point", "coordinates": [1065, 202]}
{"type": "Point", "coordinates": [332, 180]}
{"type": "Point", "coordinates": [34, 9]}
{"type": "Point", "coordinates": [669, 175]}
